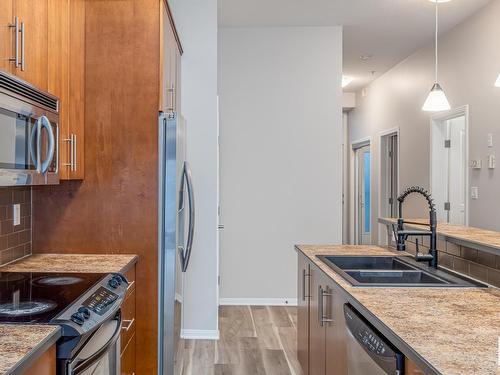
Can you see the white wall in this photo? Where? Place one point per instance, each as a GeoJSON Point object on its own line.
{"type": "Point", "coordinates": [281, 134]}
{"type": "Point", "coordinates": [196, 21]}
{"type": "Point", "coordinates": [469, 63]}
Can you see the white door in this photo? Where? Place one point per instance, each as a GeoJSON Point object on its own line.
{"type": "Point", "coordinates": [449, 169]}
{"type": "Point", "coordinates": [363, 194]}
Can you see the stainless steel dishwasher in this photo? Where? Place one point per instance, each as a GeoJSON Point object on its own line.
{"type": "Point", "coordinates": [368, 352]}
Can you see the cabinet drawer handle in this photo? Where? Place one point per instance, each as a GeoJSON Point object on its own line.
{"type": "Point", "coordinates": [304, 275]}
{"type": "Point", "coordinates": [130, 285]}
{"type": "Point", "coordinates": [129, 323]}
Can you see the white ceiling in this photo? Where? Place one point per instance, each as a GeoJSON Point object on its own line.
{"type": "Point", "coordinates": [389, 30]}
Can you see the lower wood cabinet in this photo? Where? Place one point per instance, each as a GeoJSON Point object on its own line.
{"type": "Point", "coordinates": [321, 344]}
{"type": "Point", "coordinates": [127, 349]}
{"type": "Point", "coordinates": [45, 365]}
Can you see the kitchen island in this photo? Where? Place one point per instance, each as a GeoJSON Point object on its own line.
{"type": "Point", "coordinates": [23, 345]}
{"type": "Point", "coordinates": [441, 330]}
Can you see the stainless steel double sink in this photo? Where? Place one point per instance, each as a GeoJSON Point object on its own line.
{"type": "Point", "coordinates": [394, 271]}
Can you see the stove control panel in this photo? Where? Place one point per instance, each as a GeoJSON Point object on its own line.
{"type": "Point", "coordinates": [97, 304]}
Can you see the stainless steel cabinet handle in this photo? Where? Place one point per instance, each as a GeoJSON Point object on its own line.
{"type": "Point", "coordinates": [128, 325]}
{"type": "Point", "coordinates": [305, 274]}
{"type": "Point", "coordinates": [171, 91]}
{"type": "Point", "coordinates": [22, 31]}
{"type": "Point", "coordinates": [324, 316]}
{"type": "Point", "coordinates": [130, 285]}
{"type": "Point", "coordinates": [15, 26]}
{"type": "Point", "coordinates": [320, 306]}
{"type": "Point", "coordinates": [72, 152]}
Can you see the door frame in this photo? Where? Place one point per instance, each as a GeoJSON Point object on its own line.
{"type": "Point", "coordinates": [382, 228]}
{"type": "Point", "coordinates": [437, 118]}
{"type": "Point", "coordinates": [353, 190]}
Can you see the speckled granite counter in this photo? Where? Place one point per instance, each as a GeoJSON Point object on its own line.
{"type": "Point", "coordinates": [477, 238]}
{"type": "Point", "coordinates": [452, 330]}
{"type": "Point", "coordinates": [91, 263]}
{"type": "Point", "coordinates": [18, 343]}
{"type": "Point", "coordinates": [22, 344]}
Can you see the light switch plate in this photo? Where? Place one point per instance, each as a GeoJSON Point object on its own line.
{"type": "Point", "coordinates": [16, 215]}
{"type": "Point", "coordinates": [474, 192]}
{"type": "Point", "coordinates": [476, 164]}
{"type": "Point", "coordinates": [492, 162]}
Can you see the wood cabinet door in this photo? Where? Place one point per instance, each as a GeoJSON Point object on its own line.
{"type": "Point", "coordinates": [128, 358]}
{"type": "Point", "coordinates": [170, 64]}
{"type": "Point", "coordinates": [7, 51]}
{"type": "Point", "coordinates": [33, 16]}
{"type": "Point", "coordinates": [316, 328]}
{"type": "Point", "coordinates": [303, 289]}
{"type": "Point", "coordinates": [336, 351]}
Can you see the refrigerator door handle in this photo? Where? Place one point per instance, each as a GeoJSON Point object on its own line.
{"type": "Point", "coordinates": [186, 176]}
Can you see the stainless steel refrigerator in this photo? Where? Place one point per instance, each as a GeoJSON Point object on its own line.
{"type": "Point", "coordinates": [176, 233]}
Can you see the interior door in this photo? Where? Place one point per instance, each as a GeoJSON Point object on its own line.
{"type": "Point", "coordinates": [363, 191]}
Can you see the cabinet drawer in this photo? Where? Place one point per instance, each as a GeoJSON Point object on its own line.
{"type": "Point", "coordinates": [130, 275]}
{"type": "Point", "coordinates": [128, 358]}
{"type": "Point", "coordinates": [128, 319]}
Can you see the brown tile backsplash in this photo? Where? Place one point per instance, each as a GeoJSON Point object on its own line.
{"type": "Point", "coordinates": [475, 263]}
{"type": "Point", "coordinates": [15, 240]}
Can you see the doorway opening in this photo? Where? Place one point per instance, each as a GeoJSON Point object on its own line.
{"type": "Point", "coordinates": [449, 171]}
{"type": "Point", "coordinates": [362, 193]}
{"type": "Point", "coordinates": [389, 178]}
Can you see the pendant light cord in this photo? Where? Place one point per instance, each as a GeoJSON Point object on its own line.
{"type": "Point", "coordinates": [436, 40]}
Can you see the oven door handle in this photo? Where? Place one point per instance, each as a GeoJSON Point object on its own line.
{"type": "Point", "coordinates": [86, 363]}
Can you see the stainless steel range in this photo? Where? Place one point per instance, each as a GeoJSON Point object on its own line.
{"type": "Point", "coordinates": [86, 306]}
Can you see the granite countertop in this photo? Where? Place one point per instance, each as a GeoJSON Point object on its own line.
{"type": "Point", "coordinates": [20, 345]}
{"type": "Point", "coordinates": [452, 330]}
{"type": "Point", "coordinates": [89, 263]}
{"type": "Point", "coordinates": [469, 236]}
{"type": "Point", "coordinates": [19, 342]}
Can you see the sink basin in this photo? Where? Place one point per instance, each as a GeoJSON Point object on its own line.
{"type": "Point", "coordinates": [368, 263]}
{"type": "Point", "coordinates": [395, 277]}
{"type": "Point", "coordinates": [394, 271]}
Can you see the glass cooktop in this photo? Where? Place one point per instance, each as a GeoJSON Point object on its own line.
{"type": "Point", "coordinates": [27, 297]}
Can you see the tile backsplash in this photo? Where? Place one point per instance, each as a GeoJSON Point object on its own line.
{"type": "Point", "coordinates": [15, 240]}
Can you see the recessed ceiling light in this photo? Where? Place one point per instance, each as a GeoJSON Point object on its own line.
{"type": "Point", "coordinates": [439, 1]}
{"type": "Point", "coordinates": [346, 80]}
{"type": "Point", "coordinates": [365, 57]}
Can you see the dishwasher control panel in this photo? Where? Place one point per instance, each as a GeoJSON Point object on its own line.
{"type": "Point", "coordinates": [381, 351]}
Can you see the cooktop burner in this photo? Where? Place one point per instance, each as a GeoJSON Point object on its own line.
{"type": "Point", "coordinates": [39, 297]}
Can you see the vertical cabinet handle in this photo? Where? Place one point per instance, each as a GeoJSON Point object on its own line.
{"type": "Point", "coordinates": [323, 317]}
{"type": "Point", "coordinates": [15, 26]}
{"type": "Point", "coordinates": [171, 91]}
{"type": "Point", "coordinates": [305, 274]}
{"type": "Point", "coordinates": [72, 152]}
{"type": "Point", "coordinates": [22, 31]}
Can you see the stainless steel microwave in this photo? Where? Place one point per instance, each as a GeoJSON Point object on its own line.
{"type": "Point", "coordinates": [29, 134]}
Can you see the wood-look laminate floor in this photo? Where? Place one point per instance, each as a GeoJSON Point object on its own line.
{"type": "Point", "coordinates": [254, 340]}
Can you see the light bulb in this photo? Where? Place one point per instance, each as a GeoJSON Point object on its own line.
{"type": "Point", "coordinates": [436, 100]}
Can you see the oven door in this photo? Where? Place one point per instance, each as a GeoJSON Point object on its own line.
{"type": "Point", "coordinates": [101, 353]}
{"type": "Point", "coordinates": [29, 152]}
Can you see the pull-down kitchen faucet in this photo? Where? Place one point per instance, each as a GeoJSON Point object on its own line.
{"type": "Point", "coordinates": [402, 235]}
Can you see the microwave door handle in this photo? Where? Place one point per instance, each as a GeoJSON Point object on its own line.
{"type": "Point", "coordinates": [46, 124]}
{"type": "Point", "coordinates": [35, 137]}
{"type": "Point", "coordinates": [189, 244]}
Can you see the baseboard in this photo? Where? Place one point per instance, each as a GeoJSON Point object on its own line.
{"type": "Point", "coordinates": [258, 301]}
{"type": "Point", "coordinates": [200, 334]}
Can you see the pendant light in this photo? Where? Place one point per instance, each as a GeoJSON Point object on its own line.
{"type": "Point", "coordinates": [436, 100]}
{"type": "Point", "coordinates": [497, 83]}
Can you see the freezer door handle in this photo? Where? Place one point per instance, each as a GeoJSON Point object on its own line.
{"type": "Point", "coordinates": [186, 179]}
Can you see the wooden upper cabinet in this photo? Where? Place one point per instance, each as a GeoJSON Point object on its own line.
{"type": "Point", "coordinates": [66, 80]}
{"type": "Point", "coordinates": [32, 46]}
{"type": "Point", "coordinates": [6, 35]}
{"type": "Point", "coordinates": [170, 63]}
